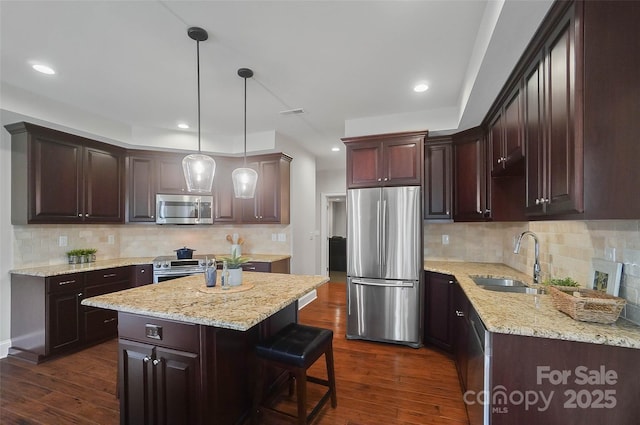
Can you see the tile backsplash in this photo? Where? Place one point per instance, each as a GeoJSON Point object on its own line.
{"type": "Point", "coordinates": [37, 245]}
{"type": "Point", "coordinates": [566, 249]}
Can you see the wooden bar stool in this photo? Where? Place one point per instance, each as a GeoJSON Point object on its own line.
{"type": "Point", "coordinates": [295, 348]}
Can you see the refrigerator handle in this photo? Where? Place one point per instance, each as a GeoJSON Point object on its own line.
{"type": "Point", "coordinates": [378, 230]}
{"type": "Point", "coordinates": [384, 233]}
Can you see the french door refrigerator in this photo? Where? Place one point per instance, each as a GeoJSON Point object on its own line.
{"type": "Point", "coordinates": [384, 265]}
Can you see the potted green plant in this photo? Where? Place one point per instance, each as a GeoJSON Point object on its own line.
{"type": "Point", "coordinates": [234, 266]}
{"type": "Point", "coordinates": [74, 256]}
{"type": "Point", "coordinates": [91, 254]}
{"type": "Point", "coordinates": [565, 282]}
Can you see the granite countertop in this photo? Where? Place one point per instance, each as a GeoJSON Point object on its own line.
{"type": "Point", "coordinates": [515, 313]}
{"type": "Point", "coordinates": [186, 300]}
{"type": "Point", "coordinates": [60, 269]}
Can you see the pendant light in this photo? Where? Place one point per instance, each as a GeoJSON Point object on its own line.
{"type": "Point", "coordinates": [245, 178]}
{"type": "Point", "coordinates": [198, 169]}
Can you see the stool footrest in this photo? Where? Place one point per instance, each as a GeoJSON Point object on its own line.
{"type": "Point", "coordinates": [318, 381]}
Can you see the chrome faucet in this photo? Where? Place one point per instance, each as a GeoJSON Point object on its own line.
{"type": "Point", "coordinates": [536, 264]}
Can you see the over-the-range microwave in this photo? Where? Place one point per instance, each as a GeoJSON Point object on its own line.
{"type": "Point", "coordinates": [184, 209]}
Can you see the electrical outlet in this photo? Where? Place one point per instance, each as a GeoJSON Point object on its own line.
{"type": "Point", "coordinates": [610, 254]}
{"type": "Point", "coordinates": [111, 239]}
{"type": "Point", "coordinates": [62, 241]}
{"type": "Point", "coordinates": [445, 239]}
{"type": "Point", "coordinates": [274, 237]}
{"type": "Point", "coordinates": [282, 237]}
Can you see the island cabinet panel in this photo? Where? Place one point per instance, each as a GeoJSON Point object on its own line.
{"type": "Point", "coordinates": [471, 189]}
{"type": "Point", "coordinates": [141, 274]}
{"type": "Point", "coordinates": [63, 178]}
{"type": "Point", "coordinates": [271, 203]}
{"type": "Point", "coordinates": [439, 310]}
{"type": "Point", "coordinates": [280, 266]}
{"type": "Point", "coordinates": [385, 160]}
{"type": "Point", "coordinates": [47, 318]}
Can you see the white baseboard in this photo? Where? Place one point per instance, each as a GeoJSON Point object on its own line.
{"type": "Point", "coordinates": [4, 348]}
{"type": "Point", "coordinates": [306, 299]}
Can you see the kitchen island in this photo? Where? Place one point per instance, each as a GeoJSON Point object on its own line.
{"type": "Point", "coordinates": [186, 351]}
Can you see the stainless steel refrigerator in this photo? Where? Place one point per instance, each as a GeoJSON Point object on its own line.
{"type": "Point", "coordinates": [384, 265]}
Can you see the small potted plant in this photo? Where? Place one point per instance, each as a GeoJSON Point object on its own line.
{"type": "Point", "coordinates": [74, 256]}
{"type": "Point", "coordinates": [234, 266]}
{"type": "Point", "coordinates": [91, 255]}
{"type": "Point", "coordinates": [567, 282]}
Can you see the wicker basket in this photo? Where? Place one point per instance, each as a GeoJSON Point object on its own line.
{"type": "Point", "coordinates": [590, 306]}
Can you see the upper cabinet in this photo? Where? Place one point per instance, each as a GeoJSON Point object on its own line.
{"type": "Point", "coordinates": [385, 160]}
{"type": "Point", "coordinates": [64, 178]}
{"type": "Point", "coordinates": [471, 200]}
{"type": "Point", "coordinates": [271, 203]}
{"type": "Point", "coordinates": [505, 134]}
{"type": "Point", "coordinates": [226, 208]}
{"type": "Point", "coordinates": [437, 179]}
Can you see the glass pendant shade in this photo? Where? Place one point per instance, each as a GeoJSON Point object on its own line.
{"type": "Point", "coordinates": [244, 182]}
{"type": "Point", "coordinates": [199, 170]}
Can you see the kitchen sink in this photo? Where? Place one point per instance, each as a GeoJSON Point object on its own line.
{"type": "Point", "coordinates": [498, 281]}
{"type": "Point", "coordinates": [516, 289]}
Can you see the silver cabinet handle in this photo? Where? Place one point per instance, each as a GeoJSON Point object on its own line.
{"type": "Point", "coordinates": [79, 295]}
{"type": "Point", "coordinates": [386, 179]}
{"type": "Point", "coordinates": [113, 319]}
{"type": "Point", "coordinates": [66, 282]}
{"type": "Point", "coordinates": [109, 275]}
{"type": "Point", "coordinates": [152, 217]}
{"type": "Point", "coordinates": [146, 359]}
{"type": "Point", "coordinates": [142, 271]}
{"type": "Point", "coordinates": [451, 282]}
{"type": "Point", "coordinates": [459, 313]}
{"type": "Point", "coordinates": [86, 215]}
{"type": "Point", "coordinates": [79, 215]}
{"type": "Point", "coordinates": [379, 179]}
{"type": "Point", "coordinates": [249, 268]}
{"type": "Point", "coordinates": [156, 362]}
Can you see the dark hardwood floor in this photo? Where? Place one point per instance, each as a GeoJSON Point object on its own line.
{"type": "Point", "coordinates": [376, 383]}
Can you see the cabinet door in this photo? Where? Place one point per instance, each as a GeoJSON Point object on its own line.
{"type": "Point", "coordinates": [564, 187]}
{"type": "Point", "coordinates": [470, 179]}
{"type": "Point", "coordinates": [170, 175]}
{"type": "Point", "coordinates": [495, 145]}
{"type": "Point", "coordinates": [64, 320]}
{"type": "Point", "coordinates": [439, 326]}
{"type": "Point", "coordinates": [251, 207]}
{"type": "Point", "coordinates": [141, 275]}
{"type": "Point", "coordinates": [363, 164]}
{"type": "Point", "coordinates": [177, 395]}
{"type": "Point", "coordinates": [135, 381]}
{"type": "Point", "coordinates": [534, 138]}
{"type": "Point", "coordinates": [56, 181]}
{"type": "Point", "coordinates": [402, 160]}
{"type": "Point", "coordinates": [269, 194]}
{"type": "Point", "coordinates": [460, 332]}
{"type": "Point", "coordinates": [142, 189]}
{"type": "Point", "coordinates": [437, 182]}
{"type": "Point", "coordinates": [225, 207]}
{"type": "Point", "coordinates": [513, 146]}
{"type": "Point", "coordinates": [103, 174]}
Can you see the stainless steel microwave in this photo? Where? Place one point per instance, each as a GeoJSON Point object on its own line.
{"type": "Point", "coordinates": [184, 209]}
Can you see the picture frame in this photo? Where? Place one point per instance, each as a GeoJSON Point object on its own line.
{"type": "Point", "coordinates": [605, 276]}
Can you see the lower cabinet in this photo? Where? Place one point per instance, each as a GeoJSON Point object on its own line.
{"type": "Point", "coordinates": [439, 302]}
{"type": "Point", "coordinates": [48, 319]}
{"type": "Point", "coordinates": [280, 266]}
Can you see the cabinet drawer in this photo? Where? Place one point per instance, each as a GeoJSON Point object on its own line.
{"type": "Point", "coordinates": [65, 282]}
{"type": "Point", "coordinates": [166, 333]}
{"type": "Point", "coordinates": [100, 324]}
{"type": "Point", "coordinates": [105, 288]}
{"type": "Point", "coordinates": [257, 267]}
{"type": "Point", "coordinates": [115, 274]}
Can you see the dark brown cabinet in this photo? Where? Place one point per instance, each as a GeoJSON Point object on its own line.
{"type": "Point", "coordinates": [459, 317]}
{"type": "Point", "coordinates": [162, 384]}
{"type": "Point", "coordinates": [63, 178]}
{"type": "Point", "coordinates": [437, 179]}
{"type": "Point", "coordinates": [271, 203]}
{"type": "Point", "coordinates": [385, 160]}
{"type": "Point", "coordinates": [141, 274]}
{"type": "Point", "coordinates": [225, 205]}
{"type": "Point", "coordinates": [141, 197]}
{"type": "Point", "coordinates": [47, 317]}
{"type": "Point", "coordinates": [506, 140]}
{"type": "Point", "coordinates": [471, 198]}
{"type": "Point", "coordinates": [170, 175]}
{"type": "Point", "coordinates": [439, 309]}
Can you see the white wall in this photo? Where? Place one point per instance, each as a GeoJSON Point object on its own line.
{"type": "Point", "coordinates": [339, 219]}
{"type": "Point", "coordinates": [327, 181]}
{"type": "Point", "coordinates": [6, 239]}
{"type": "Point", "coordinates": [303, 211]}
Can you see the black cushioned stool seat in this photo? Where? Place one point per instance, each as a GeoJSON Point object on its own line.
{"type": "Point", "coordinates": [295, 348]}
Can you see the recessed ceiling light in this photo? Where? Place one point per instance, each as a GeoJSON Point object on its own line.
{"type": "Point", "coordinates": [183, 126]}
{"type": "Point", "coordinates": [335, 149]}
{"type": "Point", "coordinates": [44, 69]}
{"type": "Point", "coordinates": [421, 87]}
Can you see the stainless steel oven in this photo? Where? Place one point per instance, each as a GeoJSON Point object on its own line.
{"type": "Point", "coordinates": [167, 268]}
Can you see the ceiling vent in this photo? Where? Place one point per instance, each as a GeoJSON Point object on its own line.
{"type": "Point", "coordinates": [296, 111]}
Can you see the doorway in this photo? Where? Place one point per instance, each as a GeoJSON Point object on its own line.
{"type": "Point", "coordinates": [334, 236]}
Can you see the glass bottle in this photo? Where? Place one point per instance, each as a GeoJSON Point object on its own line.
{"type": "Point", "coordinates": [224, 278]}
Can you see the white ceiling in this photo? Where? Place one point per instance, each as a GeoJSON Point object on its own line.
{"type": "Point", "coordinates": [350, 65]}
